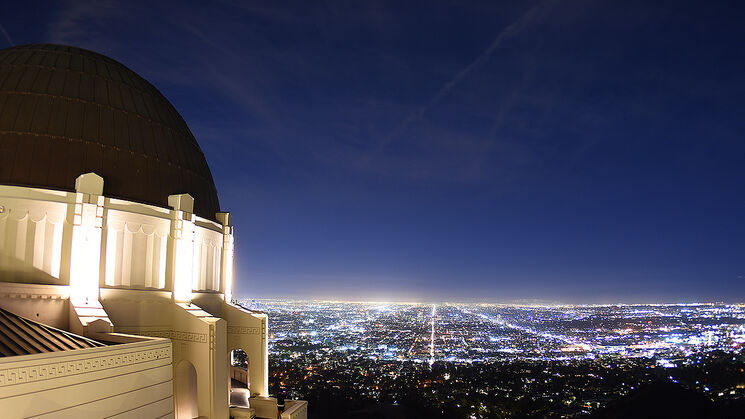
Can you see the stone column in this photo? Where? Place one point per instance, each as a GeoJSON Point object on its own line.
{"type": "Point", "coordinates": [85, 257]}
{"type": "Point", "coordinates": [226, 267]}
{"type": "Point", "coordinates": [182, 233]}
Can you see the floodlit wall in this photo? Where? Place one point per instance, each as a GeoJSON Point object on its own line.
{"type": "Point", "coordinates": [198, 338]}
{"type": "Point", "coordinates": [136, 250]}
{"type": "Point", "coordinates": [69, 259]}
{"type": "Point", "coordinates": [131, 379]}
{"type": "Point", "coordinates": [48, 304]}
{"type": "Point", "coordinates": [137, 247]}
{"type": "Point", "coordinates": [206, 350]}
{"type": "Point", "coordinates": [208, 242]}
{"type": "Point", "coordinates": [246, 331]}
{"type": "Point", "coordinates": [33, 223]}
{"type": "Point", "coordinates": [186, 399]}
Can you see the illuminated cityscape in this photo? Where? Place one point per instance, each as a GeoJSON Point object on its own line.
{"type": "Point", "coordinates": [377, 209]}
{"type": "Point", "coordinates": [482, 360]}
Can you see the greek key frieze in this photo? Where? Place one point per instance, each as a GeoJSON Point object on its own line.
{"type": "Point", "coordinates": [32, 373]}
{"type": "Point", "coordinates": [239, 330]}
{"type": "Point", "coordinates": [169, 334]}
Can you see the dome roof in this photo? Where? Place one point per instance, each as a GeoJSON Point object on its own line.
{"type": "Point", "coordinates": [66, 111]}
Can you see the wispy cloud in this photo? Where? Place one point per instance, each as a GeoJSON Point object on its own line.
{"type": "Point", "coordinates": [217, 56]}
{"type": "Point", "coordinates": [230, 74]}
{"type": "Point", "coordinates": [85, 21]}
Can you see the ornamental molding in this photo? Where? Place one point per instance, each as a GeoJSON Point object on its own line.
{"type": "Point", "coordinates": [212, 336]}
{"type": "Point", "coordinates": [59, 369]}
{"type": "Point", "coordinates": [239, 330]}
{"type": "Point", "coordinates": [169, 334]}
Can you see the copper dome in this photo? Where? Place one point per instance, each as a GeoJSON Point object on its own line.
{"type": "Point", "coordinates": [66, 111]}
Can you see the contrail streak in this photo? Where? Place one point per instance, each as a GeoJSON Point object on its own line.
{"type": "Point", "coordinates": [510, 31]}
{"type": "Point", "coordinates": [7, 37]}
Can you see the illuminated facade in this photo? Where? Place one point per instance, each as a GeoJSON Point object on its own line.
{"type": "Point", "coordinates": [110, 228]}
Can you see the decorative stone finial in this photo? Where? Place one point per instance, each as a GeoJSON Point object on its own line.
{"type": "Point", "coordinates": [89, 183]}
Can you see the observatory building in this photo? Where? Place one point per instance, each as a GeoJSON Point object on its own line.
{"type": "Point", "coordinates": [116, 260]}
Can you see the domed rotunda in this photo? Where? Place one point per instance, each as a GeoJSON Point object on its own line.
{"type": "Point", "coordinates": [65, 111]}
{"type": "Point", "coordinates": [116, 261]}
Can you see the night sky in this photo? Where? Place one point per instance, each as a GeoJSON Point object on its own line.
{"type": "Point", "coordinates": [557, 151]}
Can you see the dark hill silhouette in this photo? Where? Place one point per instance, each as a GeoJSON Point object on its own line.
{"type": "Point", "coordinates": [668, 400]}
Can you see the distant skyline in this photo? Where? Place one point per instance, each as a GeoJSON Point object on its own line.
{"type": "Point", "coordinates": [579, 152]}
{"type": "Point", "coordinates": [517, 303]}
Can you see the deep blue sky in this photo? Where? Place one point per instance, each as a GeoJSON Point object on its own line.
{"type": "Point", "coordinates": [575, 151]}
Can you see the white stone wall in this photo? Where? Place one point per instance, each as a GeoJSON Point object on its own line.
{"type": "Point", "coordinates": [136, 250]}
{"type": "Point", "coordinates": [118, 262]}
{"type": "Point", "coordinates": [207, 257]}
{"type": "Point", "coordinates": [32, 226]}
{"type": "Point", "coordinates": [127, 380]}
{"type": "Point", "coordinates": [136, 242]}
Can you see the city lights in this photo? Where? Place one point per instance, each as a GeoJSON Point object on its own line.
{"type": "Point", "coordinates": [574, 358]}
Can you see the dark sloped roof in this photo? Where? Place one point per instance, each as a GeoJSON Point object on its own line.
{"type": "Point", "coordinates": [21, 336]}
{"type": "Point", "coordinates": [66, 111]}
